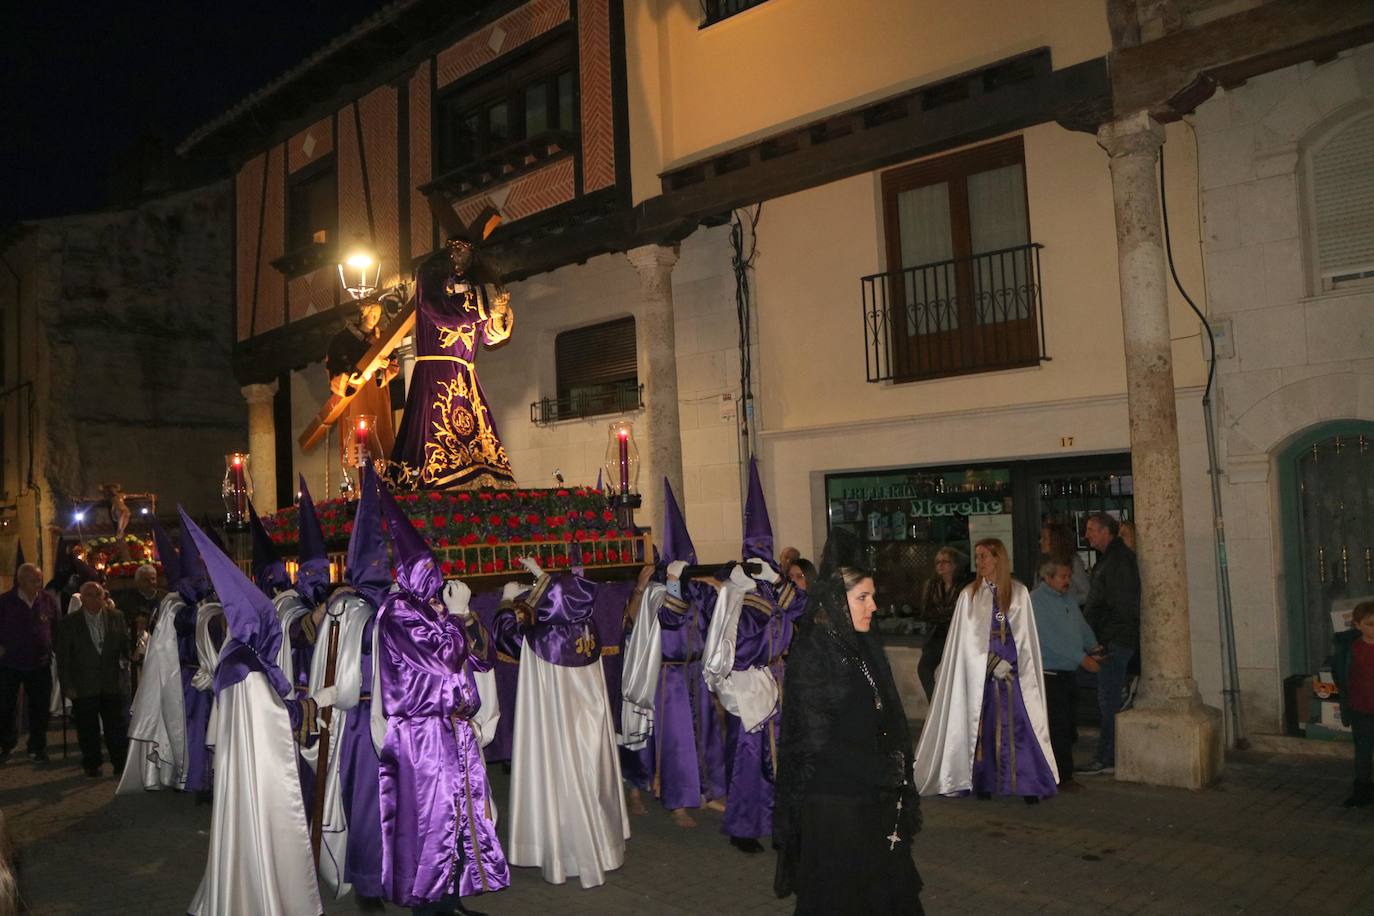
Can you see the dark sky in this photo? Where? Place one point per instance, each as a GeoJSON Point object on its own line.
{"type": "Point", "coordinates": [84, 83]}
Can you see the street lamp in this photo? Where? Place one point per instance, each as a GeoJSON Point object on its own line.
{"type": "Point", "coordinates": [360, 272]}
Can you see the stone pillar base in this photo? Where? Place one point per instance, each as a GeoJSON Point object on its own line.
{"type": "Point", "coordinates": [1177, 746]}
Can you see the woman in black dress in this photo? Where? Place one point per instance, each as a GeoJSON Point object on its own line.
{"type": "Point", "coordinates": [938, 598]}
{"type": "Point", "coordinates": [845, 810]}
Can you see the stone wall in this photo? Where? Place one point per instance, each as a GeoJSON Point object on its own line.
{"type": "Point", "coordinates": [1301, 357]}
{"type": "Point", "coordinates": [135, 315]}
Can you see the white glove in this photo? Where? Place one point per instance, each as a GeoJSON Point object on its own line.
{"type": "Point", "coordinates": [456, 597]}
{"type": "Point", "coordinates": [326, 696]}
{"type": "Point", "coordinates": [510, 591]}
{"type": "Point", "coordinates": [741, 578]}
{"type": "Point", "coordinates": [533, 566]}
{"type": "Point", "coordinates": [1002, 670]}
{"type": "Point", "coordinates": [675, 569]}
{"type": "Point", "coordinates": [767, 574]}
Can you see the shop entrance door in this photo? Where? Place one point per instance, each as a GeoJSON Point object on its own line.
{"type": "Point", "coordinates": [1332, 542]}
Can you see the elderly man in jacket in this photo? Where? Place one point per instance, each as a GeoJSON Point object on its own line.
{"type": "Point", "coordinates": [92, 654]}
{"type": "Point", "coordinates": [1113, 610]}
{"type": "Point", "coordinates": [28, 616]}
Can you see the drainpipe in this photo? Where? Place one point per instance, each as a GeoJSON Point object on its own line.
{"type": "Point", "coordinates": [1230, 673]}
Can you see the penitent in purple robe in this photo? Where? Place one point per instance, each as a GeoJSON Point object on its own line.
{"type": "Point", "coordinates": [608, 616]}
{"type": "Point", "coordinates": [1007, 759]}
{"type": "Point", "coordinates": [765, 632]}
{"type": "Point", "coordinates": [448, 437]}
{"type": "Point", "coordinates": [199, 758]}
{"type": "Point", "coordinates": [438, 835]}
{"type": "Point", "coordinates": [684, 760]}
{"type": "Point", "coordinates": [505, 664]}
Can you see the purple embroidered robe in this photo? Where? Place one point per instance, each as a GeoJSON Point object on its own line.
{"type": "Point", "coordinates": [1007, 760]}
{"type": "Point", "coordinates": [765, 631]}
{"type": "Point", "coordinates": [438, 837]}
{"type": "Point", "coordinates": [448, 438]}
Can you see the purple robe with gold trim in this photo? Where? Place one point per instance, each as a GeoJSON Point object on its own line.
{"type": "Point", "coordinates": [448, 438]}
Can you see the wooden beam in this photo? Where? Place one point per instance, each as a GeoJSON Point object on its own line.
{"type": "Point", "coordinates": [1078, 95]}
{"type": "Point", "coordinates": [1171, 76]}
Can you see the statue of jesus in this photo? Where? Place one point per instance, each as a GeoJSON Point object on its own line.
{"type": "Point", "coordinates": [448, 439]}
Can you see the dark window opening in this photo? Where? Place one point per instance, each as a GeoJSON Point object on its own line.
{"type": "Point", "coordinates": [716, 10]}
{"type": "Point", "coordinates": [312, 208]}
{"type": "Point", "coordinates": [597, 373]}
{"type": "Point", "coordinates": [529, 101]}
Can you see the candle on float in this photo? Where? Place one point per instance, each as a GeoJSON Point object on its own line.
{"type": "Point", "coordinates": [624, 436]}
{"type": "Point", "coordinates": [240, 488]}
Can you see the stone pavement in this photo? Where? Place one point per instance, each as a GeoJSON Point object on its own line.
{"type": "Point", "coordinates": [1271, 837]}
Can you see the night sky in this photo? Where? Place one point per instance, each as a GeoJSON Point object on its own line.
{"type": "Point", "coordinates": [87, 84]}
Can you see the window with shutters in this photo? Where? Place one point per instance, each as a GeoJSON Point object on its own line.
{"type": "Point", "coordinates": [1340, 176]}
{"type": "Point", "coordinates": [597, 373]}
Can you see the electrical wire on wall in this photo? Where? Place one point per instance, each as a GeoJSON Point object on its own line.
{"type": "Point", "coordinates": [1230, 674]}
{"type": "Point", "coordinates": [742, 262]}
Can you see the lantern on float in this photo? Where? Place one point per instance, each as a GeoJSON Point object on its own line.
{"type": "Point", "coordinates": [622, 471]}
{"type": "Point", "coordinates": [236, 490]}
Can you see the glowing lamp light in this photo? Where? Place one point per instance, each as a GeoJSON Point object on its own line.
{"type": "Point", "coordinates": [236, 490]}
{"type": "Point", "coordinates": [622, 457]}
{"type": "Point", "coordinates": [79, 515]}
{"type": "Point", "coordinates": [360, 272]}
{"type": "Point", "coordinates": [143, 511]}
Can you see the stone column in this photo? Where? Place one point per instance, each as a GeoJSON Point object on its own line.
{"type": "Point", "coordinates": [660, 442]}
{"type": "Point", "coordinates": [262, 444]}
{"type": "Point", "coordinates": [1169, 737]}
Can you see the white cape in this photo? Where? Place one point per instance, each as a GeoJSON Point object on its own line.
{"type": "Point", "coordinates": [157, 726]}
{"type": "Point", "coordinates": [290, 608]}
{"type": "Point", "coordinates": [568, 812]}
{"type": "Point", "coordinates": [352, 615]}
{"type": "Point", "coordinates": [639, 677]}
{"type": "Point", "coordinates": [207, 657]}
{"type": "Point", "coordinates": [944, 754]}
{"type": "Point", "coordinates": [750, 694]}
{"type": "Point", "coordinates": [259, 860]}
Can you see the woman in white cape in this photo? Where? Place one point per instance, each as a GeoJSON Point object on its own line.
{"type": "Point", "coordinates": [987, 732]}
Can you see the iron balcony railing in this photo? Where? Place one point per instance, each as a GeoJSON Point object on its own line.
{"type": "Point", "coordinates": [716, 10]}
{"type": "Point", "coordinates": [587, 402]}
{"type": "Point", "coordinates": [963, 315]}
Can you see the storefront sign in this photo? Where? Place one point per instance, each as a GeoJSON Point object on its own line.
{"type": "Point", "coordinates": [930, 508]}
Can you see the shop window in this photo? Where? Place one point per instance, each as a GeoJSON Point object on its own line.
{"type": "Point", "coordinates": [962, 290]}
{"type": "Point", "coordinates": [902, 518]}
{"type": "Point", "coordinates": [597, 373]}
{"type": "Point", "coordinates": [312, 208]}
{"type": "Point", "coordinates": [1340, 173]}
{"type": "Point", "coordinates": [531, 104]}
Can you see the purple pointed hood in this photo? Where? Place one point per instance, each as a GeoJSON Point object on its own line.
{"type": "Point", "coordinates": [192, 583]}
{"type": "Point", "coordinates": [269, 570]}
{"type": "Point", "coordinates": [599, 487]}
{"type": "Point", "coordinates": [251, 618]}
{"type": "Point", "coordinates": [677, 543]}
{"type": "Point", "coordinates": [758, 531]}
{"type": "Point", "coordinates": [416, 569]}
{"type": "Point", "coordinates": [166, 553]}
{"type": "Point", "coordinates": [367, 569]}
{"type": "Point", "coordinates": [312, 578]}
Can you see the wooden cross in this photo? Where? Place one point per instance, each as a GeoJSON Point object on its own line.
{"type": "Point", "coordinates": [372, 362]}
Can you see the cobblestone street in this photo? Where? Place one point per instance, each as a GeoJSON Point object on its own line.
{"type": "Point", "coordinates": [1270, 838]}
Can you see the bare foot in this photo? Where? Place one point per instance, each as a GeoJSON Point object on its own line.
{"type": "Point", "coordinates": [716, 804]}
{"type": "Point", "coordinates": [682, 818]}
{"type": "Point", "coordinates": [637, 803]}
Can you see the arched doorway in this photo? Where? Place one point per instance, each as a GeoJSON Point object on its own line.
{"type": "Point", "coordinates": [1326, 484]}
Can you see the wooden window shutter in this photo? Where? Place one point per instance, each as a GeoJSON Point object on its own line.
{"type": "Point", "coordinates": [1343, 200]}
{"type": "Point", "coordinates": [597, 355]}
